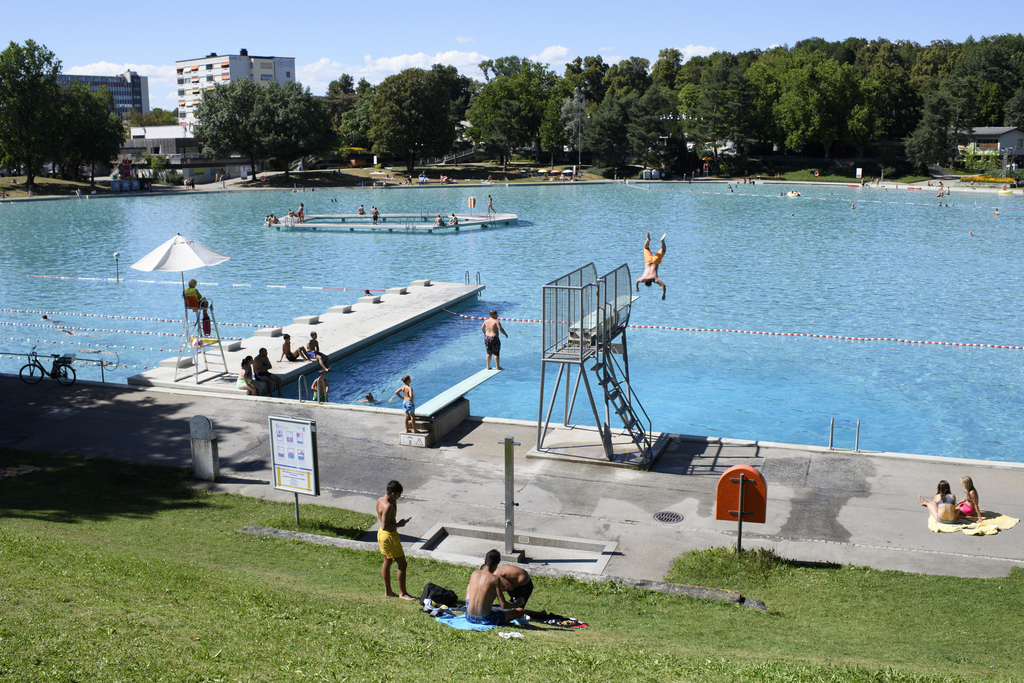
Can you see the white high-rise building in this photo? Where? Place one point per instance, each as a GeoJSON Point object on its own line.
{"type": "Point", "coordinates": [197, 75]}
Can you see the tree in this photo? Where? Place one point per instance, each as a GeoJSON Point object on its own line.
{"type": "Point", "coordinates": [529, 85]}
{"type": "Point", "coordinates": [341, 96]}
{"type": "Point", "coordinates": [930, 143]}
{"type": "Point", "coordinates": [28, 99]}
{"type": "Point", "coordinates": [721, 109]}
{"type": "Point", "coordinates": [88, 131]}
{"type": "Point", "coordinates": [363, 87]}
{"type": "Point", "coordinates": [231, 121]}
{"type": "Point", "coordinates": [353, 128]}
{"type": "Point", "coordinates": [631, 75]}
{"type": "Point", "coordinates": [606, 134]}
{"type": "Point", "coordinates": [666, 69]}
{"type": "Point", "coordinates": [498, 119]}
{"type": "Point", "coordinates": [157, 117]}
{"type": "Point", "coordinates": [297, 124]}
{"type": "Point", "coordinates": [818, 96]}
{"type": "Point", "coordinates": [1014, 110]}
{"type": "Point", "coordinates": [650, 125]}
{"type": "Point", "coordinates": [410, 116]}
{"type": "Point", "coordinates": [587, 74]}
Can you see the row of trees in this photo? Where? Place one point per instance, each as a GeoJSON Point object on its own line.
{"type": "Point", "coordinates": [817, 98]}
{"type": "Point", "coordinates": [42, 122]}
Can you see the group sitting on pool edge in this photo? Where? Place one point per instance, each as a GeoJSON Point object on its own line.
{"type": "Point", "coordinates": [944, 508]}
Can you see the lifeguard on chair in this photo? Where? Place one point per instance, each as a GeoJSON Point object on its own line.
{"type": "Point", "coordinates": [194, 301]}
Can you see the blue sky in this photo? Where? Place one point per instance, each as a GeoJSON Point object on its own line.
{"type": "Point", "coordinates": [376, 39]}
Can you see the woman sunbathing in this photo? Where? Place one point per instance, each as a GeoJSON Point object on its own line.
{"type": "Point", "coordinates": [943, 508]}
{"type": "Point", "coordinates": [969, 506]}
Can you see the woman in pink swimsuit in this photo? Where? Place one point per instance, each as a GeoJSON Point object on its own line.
{"type": "Point", "coordinates": [969, 506]}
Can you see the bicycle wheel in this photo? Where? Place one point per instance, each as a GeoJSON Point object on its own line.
{"type": "Point", "coordinates": [31, 373]}
{"type": "Point", "coordinates": [66, 375]}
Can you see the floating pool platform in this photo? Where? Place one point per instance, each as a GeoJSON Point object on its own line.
{"type": "Point", "coordinates": [342, 330]}
{"type": "Point", "coordinates": [410, 223]}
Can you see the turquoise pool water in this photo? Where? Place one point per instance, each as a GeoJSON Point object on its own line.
{"type": "Point", "coordinates": [896, 266]}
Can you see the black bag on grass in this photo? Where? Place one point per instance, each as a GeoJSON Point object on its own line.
{"type": "Point", "coordinates": [441, 596]}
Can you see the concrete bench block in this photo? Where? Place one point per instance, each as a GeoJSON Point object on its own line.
{"type": "Point", "coordinates": [373, 299]}
{"type": "Point", "coordinates": [306, 320]}
{"type": "Point", "coordinates": [185, 362]}
{"type": "Point", "coordinates": [232, 345]}
{"type": "Point", "coordinates": [269, 332]}
{"type": "Point", "coordinates": [397, 290]}
{"type": "Point", "coordinates": [347, 308]}
{"type": "Point", "coordinates": [420, 283]}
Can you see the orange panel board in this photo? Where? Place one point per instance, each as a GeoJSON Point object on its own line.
{"type": "Point", "coordinates": [755, 495]}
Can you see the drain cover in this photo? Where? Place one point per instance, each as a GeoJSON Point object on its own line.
{"type": "Point", "coordinates": [668, 517]}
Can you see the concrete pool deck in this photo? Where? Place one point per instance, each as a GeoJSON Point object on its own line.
{"type": "Point", "coordinates": [342, 330]}
{"type": "Point", "coordinates": [823, 506]}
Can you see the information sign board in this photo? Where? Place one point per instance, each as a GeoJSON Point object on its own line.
{"type": "Point", "coordinates": [294, 454]}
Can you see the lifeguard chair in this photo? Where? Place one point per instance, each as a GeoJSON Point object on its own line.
{"type": "Point", "coordinates": [199, 332]}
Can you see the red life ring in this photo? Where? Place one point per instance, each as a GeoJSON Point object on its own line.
{"type": "Point", "coordinates": [815, 174]}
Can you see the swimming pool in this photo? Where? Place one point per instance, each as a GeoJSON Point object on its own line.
{"type": "Point", "coordinates": [897, 266]}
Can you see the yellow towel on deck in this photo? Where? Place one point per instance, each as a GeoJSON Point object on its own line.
{"type": "Point", "coordinates": [987, 527]}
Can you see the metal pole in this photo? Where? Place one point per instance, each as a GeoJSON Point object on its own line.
{"type": "Point", "coordinates": [117, 267]}
{"type": "Point", "coordinates": [856, 443]}
{"type": "Point", "coordinates": [297, 510]}
{"type": "Point", "coordinates": [739, 532]}
{"type": "Point", "coordinates": [831, 428]}
{"type": "Point", "coordinates": [510, 493]}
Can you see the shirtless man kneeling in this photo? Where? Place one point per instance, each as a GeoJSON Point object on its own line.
{"type": "Point", "coordinates": [651, 263]}
{"type": "Point", "coordinates": [484, 588]}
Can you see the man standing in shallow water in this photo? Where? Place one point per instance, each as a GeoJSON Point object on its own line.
{"type": "Point", "coordinates": [492, 343]}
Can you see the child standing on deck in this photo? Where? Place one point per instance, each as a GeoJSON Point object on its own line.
{"type": "Point", "coordinates": [408, 404]}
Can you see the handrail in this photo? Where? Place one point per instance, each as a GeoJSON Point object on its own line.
{"type": "Point", "coordinates": [303, 389]}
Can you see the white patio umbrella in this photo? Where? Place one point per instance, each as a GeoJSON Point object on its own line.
{"type": "Point", "coordinates": [179, 254]}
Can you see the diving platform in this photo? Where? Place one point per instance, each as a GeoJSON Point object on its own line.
{"type": "Point", "coordinates": [444, 412]}
{"type": "Point", "coordinates": [419, 223]}
{"type": "Point", "coordinates": [342, 330]}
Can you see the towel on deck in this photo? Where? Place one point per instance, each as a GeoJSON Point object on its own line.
{"type": "Point", "coordinates": [17, 471]}
{"type": "Point", "coordinates": [989, 525]}
{"type": "Point", "coordinates": [459, 621]}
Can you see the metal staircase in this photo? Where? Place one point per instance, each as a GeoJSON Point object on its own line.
{"type": "Point", "coordinates": [199, 331]}
{"type": "Point", "coordinates": [626, 405]}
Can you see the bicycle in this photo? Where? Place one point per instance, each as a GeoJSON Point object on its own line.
{"type": "Point", "coordinates": [33, 371]}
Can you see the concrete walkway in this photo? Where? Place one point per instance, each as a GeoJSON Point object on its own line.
{"type": "Point", "coordinates": [823, 506]}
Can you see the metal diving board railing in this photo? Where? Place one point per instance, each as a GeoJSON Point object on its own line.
{"type": "Point", "coordinates": [449, 396]}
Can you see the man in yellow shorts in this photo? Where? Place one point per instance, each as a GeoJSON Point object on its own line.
{"type": "Point", "coordinates": [651, 263]}
{"type": "Point", "coordinates": [390, 542]}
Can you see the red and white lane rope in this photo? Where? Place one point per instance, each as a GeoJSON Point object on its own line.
{"type": "Point", "coordinates": [770, 334]}
{"type": "Point", "coordinates": [117, 317]}
{"type": "Point", "coordinates": [100, 329]}
{"type": "Point", "coordinates": [201, 284]}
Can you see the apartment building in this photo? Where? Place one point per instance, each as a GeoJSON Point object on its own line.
{"type": "Point", "coordinates": [196, 75]}
{"type": "Point", "coordinates": [130, 90]}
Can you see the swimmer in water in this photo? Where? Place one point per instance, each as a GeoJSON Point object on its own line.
{"type": "Point", "coordinates": [853, 206]}
{"type": "Point", "coordinates": [970, 233]}
{"type": "Point", "coordinates": [996, 212]}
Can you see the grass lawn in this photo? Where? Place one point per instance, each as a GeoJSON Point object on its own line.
{"type": "Point", "coordinates": [118, 572]}
{"type": "Point", "coordinates": [49, 187]}
{"type": "Point", "coordinates": [802, 170]}
{"type": "Point", "coordinates": [471, 174]}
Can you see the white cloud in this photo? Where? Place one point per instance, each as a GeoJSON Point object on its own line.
{"type": "Point", "coordinates": [163, 90]}
{"type": "Point", "coordinates": [318, 75]}
{"type": "Point", "coordinates": [462, 39]}
{"type": "Point", "coordinates": [605, 49]}
{"type": "Point", "coordinates": [554, 55]}
{"type": "Point", "coordinates": [695, 51]}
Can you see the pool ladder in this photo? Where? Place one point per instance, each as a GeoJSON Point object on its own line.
{"type": "Point", "coordinates": [831, 432]}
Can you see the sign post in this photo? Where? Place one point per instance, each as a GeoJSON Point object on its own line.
{"type": "Point", "coordinates": [294, 455]}
{"type": "Point", "coordinates": [742, 494]}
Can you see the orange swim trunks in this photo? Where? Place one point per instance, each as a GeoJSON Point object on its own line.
{"type": "Point", "coordinates": [653, 258]}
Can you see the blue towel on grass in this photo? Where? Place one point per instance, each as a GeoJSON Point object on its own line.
{"type": "Point", "coordinates": [459, 621]}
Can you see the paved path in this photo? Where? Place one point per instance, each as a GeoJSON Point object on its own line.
{"type": "Point", "coordinates": [823, 506]}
